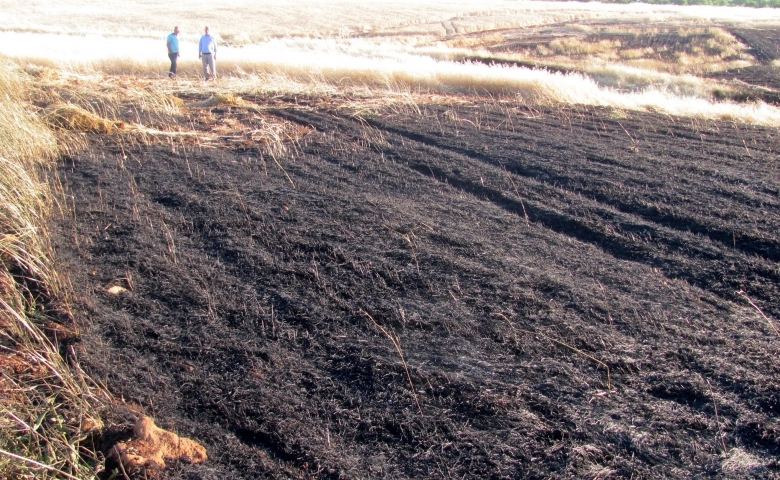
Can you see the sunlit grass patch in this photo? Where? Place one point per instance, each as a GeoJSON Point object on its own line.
{"type": "Point", "coordinates": [81, 102]}
{"type": "Point", "coordinates": [77, 119]}
{"type": "Point", "coordinates": [625, 49]}
{"type": "Point", "coordinates": [47, 408]}
{"type": "Point", "coordinates": [222, 99]}
{"type": "Point", "coordinates": [669, 49]}
{"type": "Point", "coordinates": [624, 87]}
{"type": "Point", "coordinates": [327, 66]}
{"type": "Point", "coordinates": [574, 46]}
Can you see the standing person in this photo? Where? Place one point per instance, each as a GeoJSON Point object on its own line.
{"type": "Point", "coordinates": [173, 50]}
{"type": "Point", "coordinates": [207, 52]}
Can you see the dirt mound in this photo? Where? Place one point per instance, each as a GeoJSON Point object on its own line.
{"type": "Point", "coordinates": [151, 446]}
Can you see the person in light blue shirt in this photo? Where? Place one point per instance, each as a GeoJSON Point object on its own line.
{"type": "Point", "coordinates": [207, 52]}
{"type": "Point", "coordinates": [173, 51]}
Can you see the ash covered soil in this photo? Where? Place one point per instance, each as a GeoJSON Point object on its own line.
{"type": "Point", "coordinates": [481, 290]}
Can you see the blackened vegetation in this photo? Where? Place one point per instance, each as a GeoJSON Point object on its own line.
{"type": "Point", "coordinates": [634, 41]}
{"type": "Point", "coordinates": [477, 234]}
{"type": "Point", "coordinates": [763, 43]}
{"type": "Point", "coordinates": [761, 81]}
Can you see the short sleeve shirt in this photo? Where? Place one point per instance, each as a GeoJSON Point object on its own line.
{"type": "Point", "coordinates": [173, 40]}
{"type": "Point", "coordinates": [207, 44]}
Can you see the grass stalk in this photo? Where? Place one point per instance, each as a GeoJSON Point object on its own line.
{"type": "Point", "coordinates": [397, 344]}
{"type": "Point", "coordinates": [768, 320]}
{"type": "Point", "coordinates": [717, 417]}
{"type": "Point", "coordinates": [563, 344]}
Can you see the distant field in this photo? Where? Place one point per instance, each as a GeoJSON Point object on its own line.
{"type": "Point", "coordinates": [257, 21]}
{"type": "Point", "coordinates": [554, 51]}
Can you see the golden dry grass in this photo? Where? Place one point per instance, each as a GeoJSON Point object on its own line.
{"type": "Point", "coordinates": [264, 19]}
{"type": "Point", "coordinates": [670, 49]}
{"type": "Point", "coordinates": [311, 47]}
{"type": "Point", "coordinates": [75, 119]}
{"type": "Point", "coordinates": [47, 408]}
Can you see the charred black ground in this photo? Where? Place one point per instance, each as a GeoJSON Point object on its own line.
{"type": "Point", "coordinates": [569, 288]}
{"type": "Point", "coordinates": [510, 250]}
{"type": "Point", "coordinates": [652, 42]}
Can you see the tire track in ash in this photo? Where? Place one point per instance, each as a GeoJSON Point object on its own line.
{"type": "Point", "coordinates": [603, 191]}
{"type": "Point", "coordinates": [763, 43]}
{"type": "Point", "coordinates": [441, 165]}
{"type": "Point", "coordinates": [709, 271]}
{"type": "Point", "coordinates": [601, 218]}
{"type": "Point", "coordinates": [404, 288]}
{"type": "Point", "coordinates": [470, 261]}
{"type": "Point", "coordinates": [202, 211]}
{"type": "Point", "coordinates": [719, 189]}
{"type": "Point", "coordinates": [431, 148]}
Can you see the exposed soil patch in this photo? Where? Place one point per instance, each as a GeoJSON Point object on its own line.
{"type": "Point", "coordinates": [514, 252]}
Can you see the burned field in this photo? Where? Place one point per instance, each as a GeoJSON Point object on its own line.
{"type": "Point", "coordinates": [479, 290]}
{"type": "Point", "coordinates": [466, 289]}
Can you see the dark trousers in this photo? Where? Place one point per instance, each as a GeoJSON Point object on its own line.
{"type": "Point", "coordinates": [174, 59]}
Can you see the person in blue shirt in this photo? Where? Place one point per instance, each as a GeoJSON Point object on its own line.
{"type": "Point", "coordinates": [207, 52]}
{"type": "Point", "coordinates": [173, 51]}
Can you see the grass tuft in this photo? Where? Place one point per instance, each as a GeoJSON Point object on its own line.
{"type": "Point", "coordinates": [77, 119]}
{"type": "Point", "coordinates": [221, 99]}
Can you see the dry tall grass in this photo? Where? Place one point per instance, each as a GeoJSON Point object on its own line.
{"type": "Point", "coordinates": [405, 45]}
{"type": "Point", "coordinates": [320, 65]}
{"type": "Point", "coordinates": [47, 408]}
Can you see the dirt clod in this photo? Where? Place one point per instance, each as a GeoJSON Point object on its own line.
{"type": "Point", "coordinates": [151, 446]}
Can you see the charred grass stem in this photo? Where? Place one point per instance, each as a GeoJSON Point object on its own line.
{"type": "Point", "coordinates": [397, 344]}
{"type": "Point", "coordinates": [414, 255]}
{"type": "Point", "coordinates": [563, 344]}
{"type": "Point", "coordinates": [768, 320]}
{"type": "Point", "coordinates": [717, 417]}
{"type": "Point", "coordinates": [517, 192]}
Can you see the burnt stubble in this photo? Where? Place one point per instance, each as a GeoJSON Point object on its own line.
{"type": "Point", "coordinates": [512, 251]}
